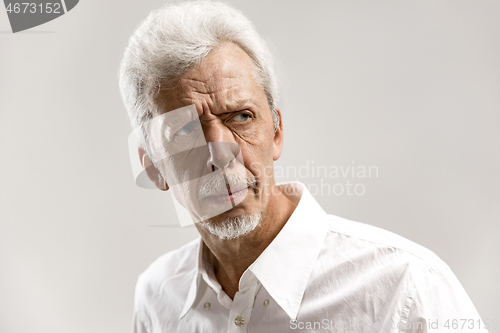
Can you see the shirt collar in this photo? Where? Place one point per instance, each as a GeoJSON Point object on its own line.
{"type": "Point", "coordinates": [285, 266]}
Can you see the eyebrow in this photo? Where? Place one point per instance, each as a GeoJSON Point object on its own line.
{"type": "Point", "coordinates": [240, 103]}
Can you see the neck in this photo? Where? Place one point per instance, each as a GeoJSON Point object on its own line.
{"type": "Point", "coordinates": [230, 258]}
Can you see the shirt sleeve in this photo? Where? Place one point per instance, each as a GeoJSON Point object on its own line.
{"type": "Point", "coordinates": [141, 323]}
{"type": "Point", "coordinates": [138, 324]}
{"type": "Point", "coordinates": [440, 304]}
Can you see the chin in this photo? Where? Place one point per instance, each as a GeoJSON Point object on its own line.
{"type": "Point", "coordinates": [236, 212]}
{"type": "Point", "coordinates": [230, 227]}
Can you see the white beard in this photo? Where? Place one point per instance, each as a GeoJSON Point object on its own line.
{"type": "Point", "coordinates": [233, 227]}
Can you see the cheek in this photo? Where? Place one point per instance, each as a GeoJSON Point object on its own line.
{"type": "Point", "coordinates": [258, 160]}
{"type": "Point", "coordinates": [257, 149]}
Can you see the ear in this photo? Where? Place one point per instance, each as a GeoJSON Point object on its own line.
{"type": "Point", "coordinates": [278, 138]}
{"type": "Point", "coordinates": [153, 173]}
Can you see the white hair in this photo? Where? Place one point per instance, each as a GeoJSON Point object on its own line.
{"type": "Point", "coordinates": [174, 39]}
{"type": "Point", "coordinates": [233, 227]}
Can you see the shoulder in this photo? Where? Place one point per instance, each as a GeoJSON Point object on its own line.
{"type": "Point", "coordinates": [374, 247]}
{"type": "Point", "coordinates": [171, 264]}
{"type": "Point", "coordinates": [167, 280]}
{"type": "Point", "coordinates": [373, 270]}
{"type": "Point", "coordinates": [365, 236]}
{"type": "Point", "coordinates": [384, 258]}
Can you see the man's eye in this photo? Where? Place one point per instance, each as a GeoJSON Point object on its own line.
{"type": "Point", "coordinates": [242, 117]}
{"type": "Point", "coordinates": [187, 129]}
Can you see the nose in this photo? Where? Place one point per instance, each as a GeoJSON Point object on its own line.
{"type": "Point", "coordinates": [222, 147]}
{"type": "Point", "coordinates": [221, 154]}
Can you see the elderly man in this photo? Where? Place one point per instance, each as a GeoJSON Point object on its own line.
{"type": "Point", "coordinates": [199, 86]}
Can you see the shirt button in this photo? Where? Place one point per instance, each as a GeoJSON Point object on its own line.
{"type": "Point", "coordinates": [207, 305]}
{"type": "Point", "coordinates": [238, 321]}
{"type": "Point", "coordinates": [266, 302]}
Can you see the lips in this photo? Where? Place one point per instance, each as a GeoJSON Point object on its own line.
{"type": "Point", "coordinates": [233, 196]}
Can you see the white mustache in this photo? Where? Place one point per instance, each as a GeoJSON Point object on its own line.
{"type": "Point", "coordinates": [217, 184]}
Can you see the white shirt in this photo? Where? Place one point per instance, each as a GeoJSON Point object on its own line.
{"type": "Point", "coordinates": [321, 273]}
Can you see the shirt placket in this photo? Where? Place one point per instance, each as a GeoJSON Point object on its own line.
{"type": "Point", "coordinates": [243, 302]}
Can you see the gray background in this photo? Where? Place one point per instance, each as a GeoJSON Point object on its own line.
{"type": "Point", "coordinates": [411, 87]}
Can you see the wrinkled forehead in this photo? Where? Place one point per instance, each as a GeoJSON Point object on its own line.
{"type": "Point", "coordinates": [227, 75]}
{"type": "Point", "coordinates": [230, 95]}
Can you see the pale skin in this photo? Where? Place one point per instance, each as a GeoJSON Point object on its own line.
{"type": "Point", "coordinates": [232, 107]}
